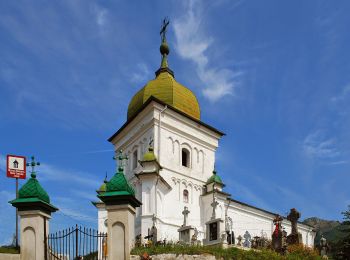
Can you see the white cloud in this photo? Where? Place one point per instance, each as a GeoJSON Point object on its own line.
{"type": "Point", "coordinates": [316, 145]}
{"type": "Point", "coordinates": [101, 17]}
{"type": "Point", "coordinates": [343, 95]}
{"type": "Point", "coordinates": [140, 74]}
{"type": "Point", "coordinates": [191, 43]}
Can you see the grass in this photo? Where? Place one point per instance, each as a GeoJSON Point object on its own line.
{"type": "Point", "coordinates": [295, 253]}
{"type": "Point", "coordinates": [9, 250]}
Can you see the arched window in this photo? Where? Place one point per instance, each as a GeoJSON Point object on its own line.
{"type": "Point", "coordinates": [185, 196]}
{"type": "Point", "coordinates": [185, 157]}
{"type": "Point", "coordinates": [134, 159]}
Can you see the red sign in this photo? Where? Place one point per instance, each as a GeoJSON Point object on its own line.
{"type": "Point", "coordinates": [16, 166]}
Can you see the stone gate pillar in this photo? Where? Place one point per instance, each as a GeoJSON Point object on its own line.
{"type": "Point", "coordinates": [121, 203]}
{"type": "Point", "coordinates": [34, 209]}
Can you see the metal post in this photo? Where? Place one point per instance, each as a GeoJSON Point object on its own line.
{"type": "Point", "coordinates": [16, 214]}
{"type": "Point", "coordinates": [45, 239]}
{"type": "Point", "coordinates": [76, 241]}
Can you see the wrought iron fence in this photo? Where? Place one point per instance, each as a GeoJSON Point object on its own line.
{"type": "Point", "coordinates": [77, 243]}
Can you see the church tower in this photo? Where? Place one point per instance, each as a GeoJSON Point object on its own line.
{"type": "Point", "coordinates": [171, 152]}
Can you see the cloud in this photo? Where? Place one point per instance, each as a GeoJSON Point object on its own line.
{"type": "Point", "coordinates": [343, 95]}
{"type": "Point", "coordinates": [53, 173]}
{"type": "Point", "coordinates": [192, 44]}
{"type": "Point", "coordinates": [316, 145]}
{"type": "Point", "coordinates": [140, 74]}
{"type": "Point", "coordinates": [101, 17]}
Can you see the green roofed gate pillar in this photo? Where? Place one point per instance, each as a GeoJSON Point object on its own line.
{"type": "Point", "coordinates": [121, 204]}
{"type": "Point", "coordinates": [34, 209]}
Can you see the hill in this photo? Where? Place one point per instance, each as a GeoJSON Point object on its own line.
{"type": "Point", "coordinates": [330, 229]}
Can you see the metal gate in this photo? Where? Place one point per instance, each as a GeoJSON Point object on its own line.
{"type": "Point", "coordinates": [76, 243]}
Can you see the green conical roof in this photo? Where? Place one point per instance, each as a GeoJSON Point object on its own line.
{"type": "Point", "coordinates": [149, 156]}
{"type": "Point", "coordinates": [33, 190]}
{"type": "Point", "coordinates": [118, 185]}
{"type": "Point", "coordinates": [103, 187]}
{"type": "Point", "coordinates": [215, 178]}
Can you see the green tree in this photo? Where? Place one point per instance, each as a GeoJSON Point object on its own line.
{"type": "Point", "coordinates": [342, 248]}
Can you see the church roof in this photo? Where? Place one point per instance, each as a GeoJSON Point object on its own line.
{"type": "Point", "coordinates": [149, 156]}
{"type": "Point", "coordinates": [215, 178]}
{"type": "Point", "coordinates": [33, 190]}
{"type": "Point", "coordinates": [118, 185]}
{"type": "Point", "coordinates": [32, 193]}
{"type": "Point", "coordinates": [165, 88]}
{"type": "Point", "coordinates": [152, 98]}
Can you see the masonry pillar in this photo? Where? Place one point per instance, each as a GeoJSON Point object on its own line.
{"type": "Point", "coordinates": [121, 208]}
{"type": "Point", "coordinates": [34, 209]}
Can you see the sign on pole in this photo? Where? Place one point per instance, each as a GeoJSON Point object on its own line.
{"type": "Point", "coordinates": [16, 166]}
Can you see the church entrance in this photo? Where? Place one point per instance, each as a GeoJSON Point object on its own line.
{"type": "Point", "coordinates": [76, 243]}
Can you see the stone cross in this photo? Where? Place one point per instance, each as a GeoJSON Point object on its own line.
{"type": "Point", "coordinates": [154, 219]}
{"type": "Point", "coordinates": [247, 238]}
{"type": "Point", "coordinates": [293, 217]}
{"type": "Point", "coordinates": [185, 212]}
{"type": "Point", "coordinates": [121, 158]}
{"type": "Point", "coordinates": [214, 204]}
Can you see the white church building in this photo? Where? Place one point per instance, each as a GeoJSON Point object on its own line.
{"type": "Point", "coordinates": [171, 158]}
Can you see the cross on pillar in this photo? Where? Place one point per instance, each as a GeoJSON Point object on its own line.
{"type": "Point", "coordinates": [33, 163]}
{"type": "Point", "coordinates": [293, 217]}
{"type": "Point", "coordinates": [121, 158]}
{"type": "Point", "coordinates": [214, 204]}
{"type": "Point", "coordinates": [185, 212]}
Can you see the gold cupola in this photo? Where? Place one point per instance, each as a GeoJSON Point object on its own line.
{"type": "Point", "coordinates": [165, 88]}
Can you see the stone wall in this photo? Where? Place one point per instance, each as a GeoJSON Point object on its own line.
{"type": "Point", "coordinates": [10, 256]}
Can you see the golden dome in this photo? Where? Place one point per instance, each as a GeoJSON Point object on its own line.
{"type": "Point", "coordinates": [165, 88]}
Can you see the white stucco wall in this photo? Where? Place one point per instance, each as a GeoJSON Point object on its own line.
{"type": "Point", "coordinates": [170, 132]}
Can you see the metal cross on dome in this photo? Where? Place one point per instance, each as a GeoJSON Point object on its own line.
{"type": "Point", "coordinates": [163, 28]}
{"type": "Point", "coordinates": [121, 158]}
{"type": "Point", "coordinates": [33, 163]}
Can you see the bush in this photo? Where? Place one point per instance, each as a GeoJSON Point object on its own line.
{"type": "Point", "coordinates": [297, 252]}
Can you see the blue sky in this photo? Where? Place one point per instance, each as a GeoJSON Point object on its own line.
{"type": "Point", "coordinates": [273, 75]}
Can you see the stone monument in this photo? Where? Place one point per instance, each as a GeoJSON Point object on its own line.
{"type": "Point", "coordinates": [295, 237]}
{"type": "Point", "coordinates": [239, 240]}
{"type": "Point", "coordinates": [247, 239]}
{"type": "Point", "coordinates": [277, 234]}
{"type": "Point", "coordinates": [215, 229]}
{"type": "Point", "coordinates": [323, 244]}
{"type": "Point", "coordinates": [186, 232]}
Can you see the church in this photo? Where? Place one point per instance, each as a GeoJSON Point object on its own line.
{"type": "Point", "coordinates": [168, 157]}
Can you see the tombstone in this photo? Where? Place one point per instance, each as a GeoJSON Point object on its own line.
{"type": "Point", "coordinates": [256, 242]}
{"type": "Point", "coordinates": [215, 229]}
{"type": "Point", "coordinates": [138, 241]}
{"type": "Point", "coordinates": [239, 240]}
{"type": "Point", "coordinates": [277, 234]}
{"type": "Point", "coordinates": [186, 231]}
{"type": "Point", "coordinates": [284, 241]}
{"type": "Point", "coordinates": [323, 244]}
{"type": "Point", "coordinates": [194, 238]}
{"type": "Point", "coordinates": [154, 231]}
{"type": "Point", "coordinates": [247, 239]}
{"type": "Point", "coordinates": [295, 237]}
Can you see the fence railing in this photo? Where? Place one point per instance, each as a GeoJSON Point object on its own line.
{"type": "Point", "coordinates": [77, 243]}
